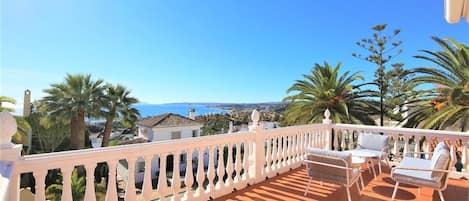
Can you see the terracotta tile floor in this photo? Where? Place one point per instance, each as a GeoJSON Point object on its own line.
{"type": "Point", "coordinates": [291, 185]}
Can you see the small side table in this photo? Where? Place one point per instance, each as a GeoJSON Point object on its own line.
{"type": "Point", "coordinates": [360, 157]}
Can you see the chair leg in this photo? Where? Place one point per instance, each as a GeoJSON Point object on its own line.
{"type": "Point", "coordinates": [307, 186]}
{"type": "Point", "coordinates": [395, 191]}
{"type": "Point", "coordinates": [363, 185]}
{"type": "Point", "coordinates": [379, 166]}
{"type": "Point", "coordinates": [358, 187]}
{"type": "Point", "coordinates": [441, 195]}
{"type": "Point", "coordinates": [348, 193]}
{"type": "Point", "coordinates": [420, 190]}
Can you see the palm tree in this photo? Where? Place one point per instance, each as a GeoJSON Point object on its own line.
{"type": "Point", "coordinates": [117, 105]}
{"type": "Point", "coordinates": [78, 96]}
{"type": "Point", "coordinates": [5, 99]}
{"type": "Point", "coordinates": [23, 127]}
{"type": "Point", "coordinates": [447, 103]}
{"type": "Point", "coordinates": [325, 89]}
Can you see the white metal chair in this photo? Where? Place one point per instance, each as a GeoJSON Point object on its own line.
{"type": "Point", "coordinates": [424, 173]}
{"type": "Point", "coordinates": [332, 166]}
{"type": "Point", "coordinates": [375, 144]}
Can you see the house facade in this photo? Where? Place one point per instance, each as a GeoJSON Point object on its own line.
{"type": "Point", "coordinates": [168, 126]}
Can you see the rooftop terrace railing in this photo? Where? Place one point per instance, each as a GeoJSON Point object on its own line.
{"type": "Point", "coordinates": [232, 161]}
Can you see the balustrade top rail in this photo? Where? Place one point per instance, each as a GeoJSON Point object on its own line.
{"type": "Point", "coordinates": [404, 131]}
{"type": "Point", "coordinates": [103, 154]}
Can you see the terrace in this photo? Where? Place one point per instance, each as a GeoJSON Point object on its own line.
{"type": "Point", "coordinates": [252, 161]}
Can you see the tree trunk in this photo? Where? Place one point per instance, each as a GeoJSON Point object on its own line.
{"type": "Point", "coordinates": [107, 132]}
{"type": "Point", "coordinates": [77, 125]}
{"type": "Point", "coordinates": [381, 110]}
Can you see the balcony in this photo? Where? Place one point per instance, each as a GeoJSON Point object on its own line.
{"type": "Point", "coordinates": [257, 165]}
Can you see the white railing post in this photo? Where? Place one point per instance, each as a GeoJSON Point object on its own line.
{"type": "Point", "coordinates": [328, 133]}
{"type": "Point", "coordinates": [259, 157]}
{"type": "Point", "coordinates": [9, 154]}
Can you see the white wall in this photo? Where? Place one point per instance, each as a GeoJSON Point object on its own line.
{"type": "Point", "coordinates": [160, 134]}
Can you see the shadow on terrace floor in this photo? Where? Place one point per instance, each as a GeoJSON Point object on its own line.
{"type": "Point", "coordinates": [291, 185]}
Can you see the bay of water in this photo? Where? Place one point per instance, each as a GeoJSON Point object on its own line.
{"type": "Point", "coordinates": [147, 110]}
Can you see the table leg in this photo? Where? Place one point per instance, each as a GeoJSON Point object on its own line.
{"type": "Point", "coordinates": [373, 167]}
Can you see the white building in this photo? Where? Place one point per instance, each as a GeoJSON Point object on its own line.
{"type": "Point", "coordinates": [167, 126]}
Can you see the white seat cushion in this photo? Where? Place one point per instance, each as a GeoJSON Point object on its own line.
{"type": "Point", "coordinates": [418, 178]}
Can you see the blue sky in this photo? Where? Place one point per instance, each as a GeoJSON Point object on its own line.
{"type": "Point", "coordinates": [202, 51]}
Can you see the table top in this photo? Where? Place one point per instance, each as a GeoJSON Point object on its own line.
{"type": "Point", "coordinates": [358, 160]}
{"type": "Point", "coordinates": [360, 153]}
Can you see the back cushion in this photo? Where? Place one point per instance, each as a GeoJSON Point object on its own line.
{"type": "Point", "coordinates": [373, 141]}
{"type": "Point", "coordinates": [440, 160]}
{"type": "Point", "coordinates": [440, 146]}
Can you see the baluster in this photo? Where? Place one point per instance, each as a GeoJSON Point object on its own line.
{"type": "Point", "coordinates": [200, 173]}
{"type": "Point", "coordinates": [284, 147]}
{"type": "Point", "coordinates": [342, 144]}
{"type": "Point", "coordinates": [90, 192]}
{"type": "Point", "coordinates": [296, 147]}
{"type": "Point", "coordinates": [130, 190]}
{"type": "Point", "coordinates": [162, 185]}
{"type": "Point", "coordinates": [40, 176]}
{"type": "Point", "coordinates": [111, 194]}
{"type": "Point", "coordinates": [188, 179]}
{"type": "Point", "coordinates": [239, 164]}
{"type": "Point", "coordinates": [176, 181]}
{"type": "Point", "coordinates": [417, 147]}
{"type": "Point", "coordinates": [221, 167]}
{"type": "Point", "coordinates": [406, 145]}
{"type": "Point", "coordinates": [274, 154]}
{"type": "Point", "coordinates": [464, 160]}
{"type": "Point", "coordinates": [211, 169]}
{"type": "Point", "coordinates": [317, 139]}
{"type": "Point", "coordinates": [396, 146]}
{"type": "Point", "coordinates": [279, 152]}
{"type": "Point", "coordinates": [268, 156]}
{"type": "Point", "coordinates": [229, 164]}
{"type": "Point", "coordinates": [67, 183]}
{"type": "Point", "coordinates": [246, 162]}
{"type": "Point", "coordinates": [311, 139]}
{"type": "Point", "coordinates": [147, 190]}
{"type": "Point", "coordinates": [309, 142]}
{"type": "Point", "coordinates": [453, 154]}
{"type": "Point", "coordinates": [428, 145]}
{"type": "Point", "coordinates": [301, 147]}
{"type": "Point", "coordinates": [350, 140]}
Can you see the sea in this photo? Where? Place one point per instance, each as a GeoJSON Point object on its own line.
{"type": "Point", "coordinates": [148, 110]}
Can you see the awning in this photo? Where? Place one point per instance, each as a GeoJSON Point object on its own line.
{"type": "Point", "coordinates": [455, 9]}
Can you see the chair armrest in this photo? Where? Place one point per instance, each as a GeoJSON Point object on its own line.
{"type": "Point", "coordinates": [327, 164]}
{"type": "Point", "coordinates": [419, 152]}
{"type": "Point", "coordinates": [419, 169]}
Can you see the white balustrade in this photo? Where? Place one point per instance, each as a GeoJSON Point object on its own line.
{"type": "Point", "coordinates": [252, 156]}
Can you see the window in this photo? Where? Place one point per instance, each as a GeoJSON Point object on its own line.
{"type": "Point", "coordinates": [195, 133]}
{"type": "Point", "coordinates": [176, 135]}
